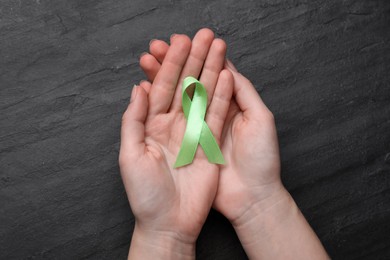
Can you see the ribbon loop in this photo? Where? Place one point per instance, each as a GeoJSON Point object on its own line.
{"type": "Point", "coordinates": [197, 130]}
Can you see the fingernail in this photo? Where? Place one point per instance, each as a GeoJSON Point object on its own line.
{"type": "Point", "coordinates": [151, 41]}
{"type": "Point", "coordinates": [142, 81]}
{"type": "Point", "coordinates": [172, 36]}
{"type": "Point", "coordinates": [142, 54]}
{"type": "Point", "coordinates": [134, 93]}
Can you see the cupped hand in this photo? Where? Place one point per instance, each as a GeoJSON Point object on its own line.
{"type": "Point", "coordinates": [250, 192]}
{"type": "Point", "coordinates": [251, 175]}
{"type": "Point", "coordinates": [173, 202]}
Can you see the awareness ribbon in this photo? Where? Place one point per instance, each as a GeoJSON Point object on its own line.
{"type": "Point", "coordinates": [197, 131]}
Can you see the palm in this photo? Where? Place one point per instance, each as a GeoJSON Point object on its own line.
{"type": "Point", "coordinates": [253, 155]}
{"type": "Point", "coordinates": [175, 195]}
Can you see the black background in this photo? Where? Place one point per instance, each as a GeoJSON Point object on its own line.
{"type": "Point", "coordinates": [66, 72]}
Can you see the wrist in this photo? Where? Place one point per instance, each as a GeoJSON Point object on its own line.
{"type": "Point", "coordinates": [151, 244]}
{"type": "Point", "coordinates": [254, 202]}
{"type": "Point", "coordinates": [276, 229]}
{"type": "Point", "coordinates": [264, 214]}
{"type": "Point", "coordinates": [257, 227]}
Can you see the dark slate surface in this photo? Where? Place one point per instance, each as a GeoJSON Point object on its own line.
{"type": "Point", "coordinates": [66, 70]}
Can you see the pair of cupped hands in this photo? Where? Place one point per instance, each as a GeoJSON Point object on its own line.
{"type": "Point", "coordinates": [170, 204]}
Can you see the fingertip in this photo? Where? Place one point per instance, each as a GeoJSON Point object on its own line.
{"type": "Point", "coordinates": [158, 49]}
{"type": "Point", "coordinates": [139, 104]}
{"type": "Point", "coordinates": [133, 123]}
{"type": "Point", "coordinates": [141, 93]}
{"type": "Point", "coordinates": [138, 96]}
{"type": "Point", "coordinates": [133, 94]}
{"type": "Point", "coordinates": [173, 35]}
{"type": "Point", "coordinates": [147, 61]}
{"type": "Point", "coordinates": [151, 41]}
{"type": "Point", "coordinates": [157, 44]}
{"type": "Point", "coordinates": [247, 97]}
{"type": "Point", "coordinates": [129, 109]}
{"type": "Point", "coordinates": [220, 46]}
{"type": "Point", "coordinates": [227, 75]}
{"type": "Point", "coordinates": [150, 65]}
{"type": "Point", "coordinates": [146, 85]}
{"type": "Point", "coordinates": [202, 42]}
{"type": "Point", "coordinates": [182, 42]}
{"type": "Point", "coordinates": [206, 34]}
{"type": "Point", "coordinates": [142, 54]}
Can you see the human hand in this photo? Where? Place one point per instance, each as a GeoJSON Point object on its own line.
{"type": "Point", "coordinates": [170, 205]}
{"type": "Point", "coordinates": [250, 192]}
{"type": "Point", "coordinates": [249, 144]}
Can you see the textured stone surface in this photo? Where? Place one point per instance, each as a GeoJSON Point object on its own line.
{"type": "Point", "coordinates": [66, 71]}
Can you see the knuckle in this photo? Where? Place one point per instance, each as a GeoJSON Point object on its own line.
{"type": "Point", "coordinates": [122, 160]}
{"type": "Point", "coordinates": [269, 117]}
{"type": "Point", "coordinates": [124, 118]}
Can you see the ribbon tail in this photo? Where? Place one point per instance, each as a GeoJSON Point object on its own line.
{"type": "Point", "coordinates": [185, 157]}
{"type": "Point", "coordinates": [210, 146]}
{"type": "Point", "coordinates": [188, 146]}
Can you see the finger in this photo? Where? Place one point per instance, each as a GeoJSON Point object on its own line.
{"type": "Point", "coordinates": [231, 114]}
{"type": "Point", "coordinates": [220, 103]}
{"type": "Point", "coordinates": [229, 65]}
{"type": "Point", "coordinates": [247, 97]}
{"type": "Point", "coordinates": [158, 49]}
{"type": "Point", "coordinates": [194, 64]}
{"type": "Point", "coordinates": [256, 106]}
{"type": "Point", "coordinates": [146, 85]}
{"type": "Point", "coordinates": [149, 65]}
{"type": "Point", "coordinates": [165, 82]}
{"type": "Point", "coordinates": [133, 123]}
{"type": "Point", "coordinates": [213, 66]}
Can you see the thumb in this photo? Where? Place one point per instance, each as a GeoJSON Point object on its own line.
{"type": "Point", "coordinates": [246, 95]}
{"type": "Point", "coordinates": [133, 123]}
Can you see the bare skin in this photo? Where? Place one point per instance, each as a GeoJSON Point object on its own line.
{"type": "Point", "coordinates": [171, 205]}
{"type": "Point", "coordinates": [250, 192]}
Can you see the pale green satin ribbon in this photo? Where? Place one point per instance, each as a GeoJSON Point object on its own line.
{"type": "Point", "coordinates": [197, 130]}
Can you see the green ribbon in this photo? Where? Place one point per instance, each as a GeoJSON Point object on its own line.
{"type": "Point", "coordinates": [197, 131]}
